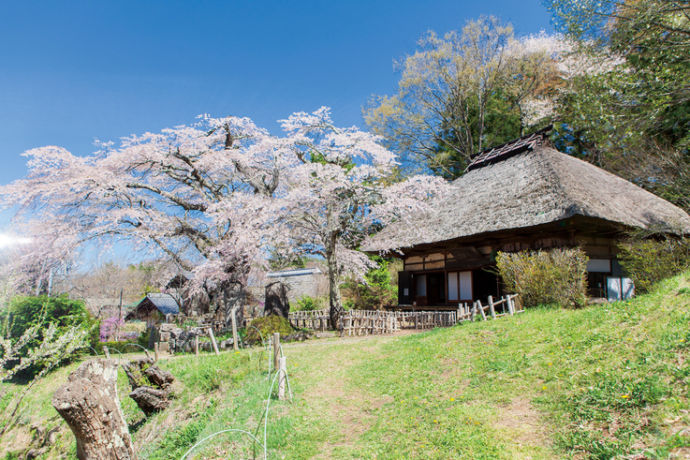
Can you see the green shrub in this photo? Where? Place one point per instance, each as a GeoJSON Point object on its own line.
{"type": "Point", "coordinates": [50, 318]}
{"type": "Point", "coordinates": [268, 325]}
{"type": "Point", "coordinates": [558, 276]}
{"type": "Point", "coordinates": [308, 303]}
{"type": "Point", "coordinates": [648, 259]}
{"type": "Point", "coordinates": [27, 311]}
{"type": "Point", "coordinates": [145, 337]}
{"type": "Point", "coordinates": [380, 289]}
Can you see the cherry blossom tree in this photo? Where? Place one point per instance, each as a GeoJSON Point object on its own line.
{"type": "Point", "coordinates": [336, 194]}
{"type": "Point", "coordinates": [190, 193]}
{"type": "Point", "coordinates": [220, 196]}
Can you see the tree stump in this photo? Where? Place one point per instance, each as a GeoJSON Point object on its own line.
{"type": "Point", "coordinates": [276, 301]}
{"type": "Point", "coordinates": [150, 385]}
{"type": "Point", "coordinates": [89, 404]}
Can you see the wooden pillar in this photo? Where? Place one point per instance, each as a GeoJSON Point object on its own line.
{"type": "Point", "coordinates": [491, 307]}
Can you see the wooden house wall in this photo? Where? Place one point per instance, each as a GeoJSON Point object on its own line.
{"type": "Point", "coordinates": [458, 260]}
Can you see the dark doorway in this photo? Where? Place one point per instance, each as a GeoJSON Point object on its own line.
{"type": "Point", "coordinates": [435, 289]}
{"type": "Point", "coordinates": [484, 284]}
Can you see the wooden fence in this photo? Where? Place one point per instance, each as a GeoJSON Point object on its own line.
{"type": "Point", "coordinates": [316, 320]}
{"type": "Point", "coordinates": [371, 322]}
{"type": "Point", "coordinates": [368, 322]}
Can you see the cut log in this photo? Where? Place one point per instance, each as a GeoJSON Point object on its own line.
{"type": "Point", "coordinates": [89, 404]}
{"type": "Point", "coordinates": [150, 400]}
{"type": "Point", "coordinates": [150, 385]}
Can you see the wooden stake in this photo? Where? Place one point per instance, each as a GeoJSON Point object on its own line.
{"type": "Point", "coordinates": [276, 350]}
{"type": "Point", "coordinates": [196, 345]}
{"type": "Point", "coordinates": [491, 307]}
{"type": "Point", "coordinates": [235, 344]}
{"type": "Point", "coordinates": [481, 309]}
{"type": "Point", "coordinates": [474, 311]}
{"type": "Point", "coordinates": [213, 340]}
{"type": "Point", "coordinates": [511, 308]}
{"type": "Point", "coordinates": [155, 350]}
{"type": "Point", "coordinates": [282, 376]}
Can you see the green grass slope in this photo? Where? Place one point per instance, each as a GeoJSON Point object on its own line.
{"type": "Point", "coordinates": [607, 381]}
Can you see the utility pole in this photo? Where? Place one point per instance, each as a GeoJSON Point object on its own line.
{"type": "Point", "coordinates": [119, 319]}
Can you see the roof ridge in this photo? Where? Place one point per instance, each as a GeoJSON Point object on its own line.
{"type": "Point", "coordinates": [506, 150]}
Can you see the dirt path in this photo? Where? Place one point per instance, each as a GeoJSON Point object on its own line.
{"type": "Point", "coordinates": [334, 398]}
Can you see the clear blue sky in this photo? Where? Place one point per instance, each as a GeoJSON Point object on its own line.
{"type": "Point", "coordinates": [75, 71]}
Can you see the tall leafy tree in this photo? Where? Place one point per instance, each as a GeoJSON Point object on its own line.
{"type": "Point", "coordinates": [467, 91]}
{"type": "Point", "coordinates": [634, 117]}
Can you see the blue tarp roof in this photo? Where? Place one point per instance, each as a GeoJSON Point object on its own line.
{"type": "Point", "coordinates": [165, 303]}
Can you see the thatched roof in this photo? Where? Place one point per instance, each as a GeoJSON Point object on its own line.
{"type": "Point", "coordinates": [533, 184]}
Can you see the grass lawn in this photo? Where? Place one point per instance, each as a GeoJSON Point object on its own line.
{"type": "Point", "coordinates": [603, 382]}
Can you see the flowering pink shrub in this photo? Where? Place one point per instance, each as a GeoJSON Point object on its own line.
{"type": "Point", "coordinates": [109, 327]}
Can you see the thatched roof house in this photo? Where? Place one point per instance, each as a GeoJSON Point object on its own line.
{"type": "Point", "coordinates": [522, 195]}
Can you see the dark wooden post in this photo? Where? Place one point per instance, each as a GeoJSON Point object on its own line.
{"type": "Point", "coordinates": [276, 350]}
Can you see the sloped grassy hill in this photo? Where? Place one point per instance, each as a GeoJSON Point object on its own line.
{"type": "Point", "coordinates": [606, 381]}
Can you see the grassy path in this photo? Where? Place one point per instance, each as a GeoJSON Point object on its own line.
{"type": "Point", "coordinates": [608, 381]}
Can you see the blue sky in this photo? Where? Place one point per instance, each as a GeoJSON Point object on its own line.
{"type": "Point", "coordinates": [75, 71]}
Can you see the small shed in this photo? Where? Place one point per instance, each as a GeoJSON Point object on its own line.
{"type": "Point", "coordinates": [154, 309]}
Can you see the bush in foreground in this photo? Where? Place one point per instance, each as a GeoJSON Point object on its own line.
{"type": "Point", "coordinates": [648, 259]}
{"type": "Point", "coordinates": [268, 325]}
{"type": "Point", "coordinates": [558, 276]}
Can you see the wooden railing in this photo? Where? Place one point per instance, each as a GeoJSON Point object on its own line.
{"type": "Point", "coordinates": [316, 320]}
{"type": "Point", "coordinates": [372, 322]}
{"type": "Point", "coordinates": [368, 322]}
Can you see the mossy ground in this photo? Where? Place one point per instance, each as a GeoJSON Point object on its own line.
{"type": "Point", "coordinates": [607, 381]}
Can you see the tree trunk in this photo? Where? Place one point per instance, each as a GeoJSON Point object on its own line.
{"type": "Point", "coordinates": [276, 301]}
{"type": "Point", "coordinates": [334, 299]}
{"type": "Point", "coordinates": [233, 294]}
{"type": "Point", "coordinates": [89, 404]}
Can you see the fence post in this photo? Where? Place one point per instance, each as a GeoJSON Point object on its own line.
{"type": "Point", "coordinates": [235, 345]}
{"type": "Point", "coordinates": [491, 307]}
{"type": "Point", "coordinates": [511, 309]}
{"type": "Point", "coordinates": [276, 349]}
{"type": "Point", "coordinates": [481, 309]}
{"type": "Point", "coordinates": [213, 340]}
{"type": "Point", "coordinates": [196, 345]}
{"type": "Point", "coordinates": [282, 376]}
{"type": "Point", "coordinates": [155, 350]}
